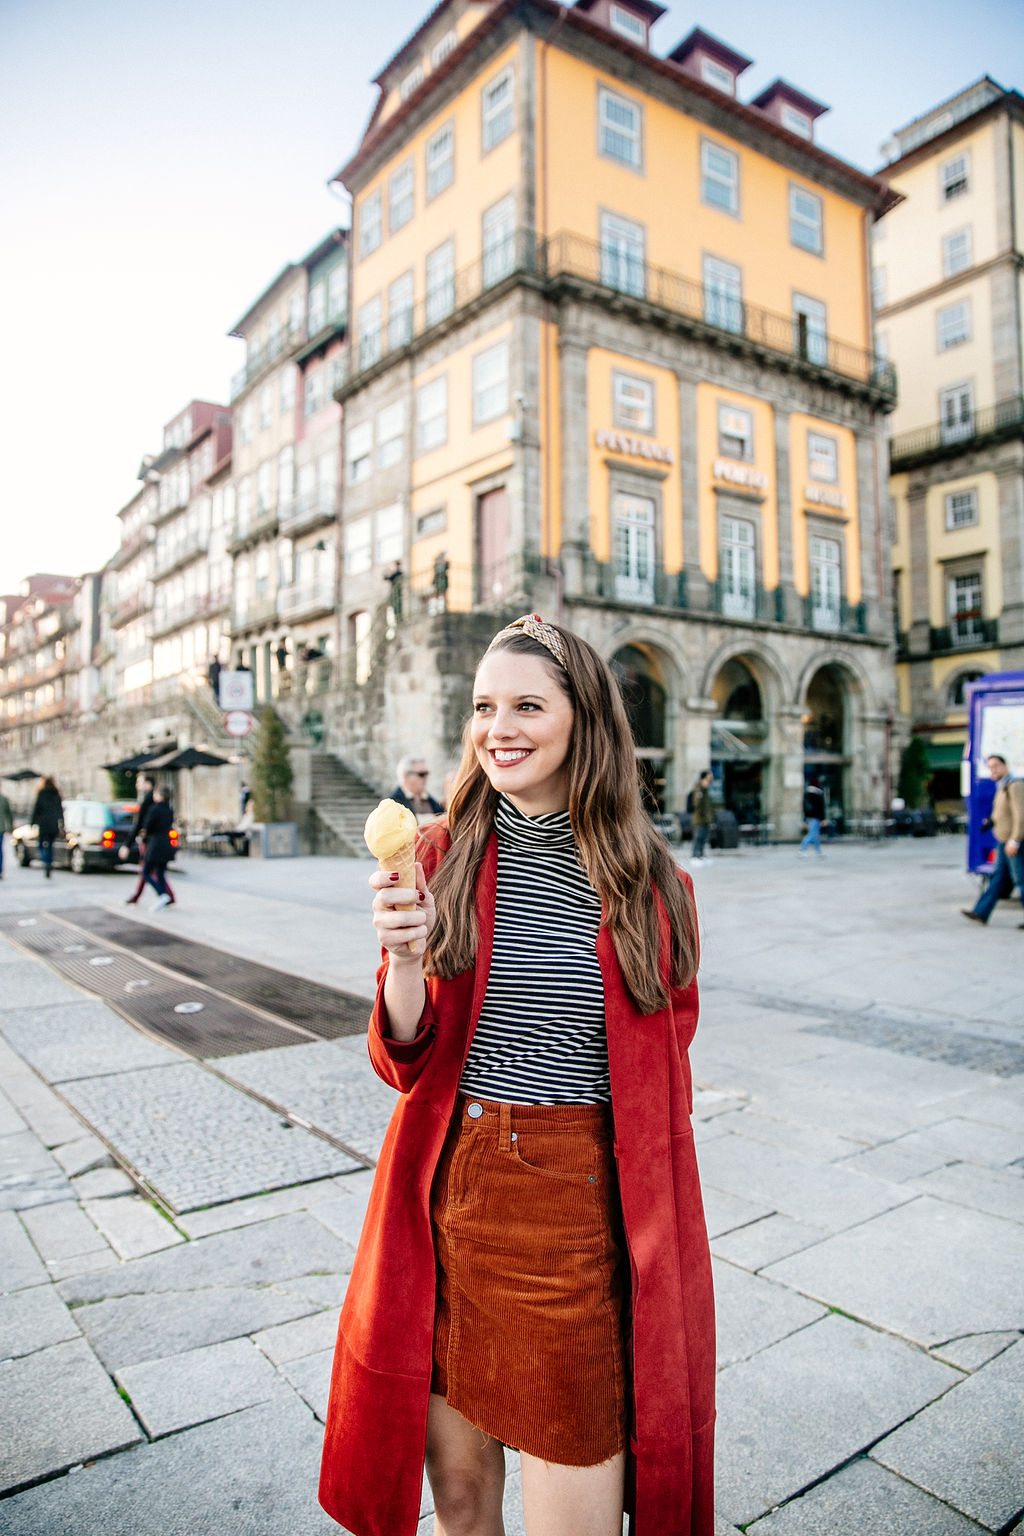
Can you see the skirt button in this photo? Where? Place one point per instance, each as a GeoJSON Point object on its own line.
{"type": "Point", "coordinates": [474, 1111]}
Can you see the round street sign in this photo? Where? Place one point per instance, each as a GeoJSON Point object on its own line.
{"type": "Point", "coordinates": [238, 722]}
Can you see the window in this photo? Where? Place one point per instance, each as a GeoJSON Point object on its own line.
{"type": "Point", "coordinates": [443, 47]}
{"type": "Point", "coordinates": [713, 73]}
{"type": "Point", "coordinates": [266, 406]}
{"type": "Point", "coordinates": [956, 251]}
{"type": "Point", "coordinates": [810, 326]}
{"type": "Point", "coordinates": [313, 394]}
{"type": "Point", "coordinates": [632, 402]}
{"type": "Point", "coordinates": [440, 160]}
{"type": "Point", "coordinates": [360, 644]}
{"type": "Point", "coordinates": [441, 282]}
{"type": "Point", "coordinates": [964, 595]}
{"type": "Point", "coordinates": [723, 294]}
{"type": "Point", "coordinates": [247, 422]}
{"type": "Point", "coordinates": [264, 487]}
{"type": "Point", "coordinates": [370, 222]}
{"type": "Point", "coordinates": [286, 476]}
{"type": "Point", "coordinates": [735, 432]}
{"type": "Point", "coordinates": [412, 80]}
{"type": "Point", "coordinates": [958, 688]}
{"type": "Point", "coordinates": [497, 109]}
{"type": "Point", "coordinates": [739, 568]}
{"type": "Point", "coordinates": [490, 384]}
{"type": "Point", "coordinates": [961, 509]}
{"type": "Point", "coordinates": [806, 220]}
{"type": "Point", "coordinates": [336, 291]}
{"type": "Point", "coordinates": [390, 434]}
{"type": "Point", "coordinates": [286, 391]}
{"type": "Point", "coordinates": [400, 311]}
{"type": "Point", "coordinates": [826, 583]}
{"type": "Point", "coordinates": [796, 121]}
{"type": "Point", "coordinates": [878, 287]}
{"type": "Point", "coordinates": [956, 413]}
{"type": "Point", "coordinates": [335, 370]}
{"type": "Point", "coordinates": [388, 534]}
{"type": "Point", "coordinates": [623, 255]}
{"type": "Point", "coordinates": [953, 325]}
{"type": "Point", "coordinates": [628, 25]}
{"type": "Point", "coordinates": [719, 177]}
{"type": "Point", "coordinates": [358, 549]}
{"type": "Point", "coordinates": [327, 481]}
{"type": "Point", "coordinates": [822, 458]}
{"type": "Point", "coordinates": [432, 415]}
{"type": "Point", "coordinates": [499, 240]}
{"type": "Point", "coordinates": [400, 197]}
{"type": "Point", "coordinates": [633, 543]}
{"type": "Point", "coordinates": [359, 452]}
{"type": "Point", "coordinates": [369, 329]}
{"type": "Point", "coordinates": [619, 129]}
{"type": "Point", "coordinates": [316, 308]}
{"type": "Point", "coordinates": [954, 177]}
{"type": "Point", "coordinates": [430, 523]}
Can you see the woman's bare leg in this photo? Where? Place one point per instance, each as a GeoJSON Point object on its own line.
{"type": "Point", "coordinates": [466, 1469]}
{"type": "Point", "coordinates": [573, 1501]}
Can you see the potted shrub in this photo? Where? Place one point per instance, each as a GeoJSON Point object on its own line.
{"type": "Point", "coordinates": [271, 788]}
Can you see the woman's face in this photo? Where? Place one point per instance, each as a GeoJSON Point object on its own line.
{"type": "Point", "coordinates": [522, 724]}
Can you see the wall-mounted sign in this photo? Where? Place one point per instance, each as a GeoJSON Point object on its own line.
{"type": "Point", "coordinates": [636, 447]}
{"type": "Point", "coordinates": [819, 496]}
{"type": "Point", "coordinates": [740, 474]}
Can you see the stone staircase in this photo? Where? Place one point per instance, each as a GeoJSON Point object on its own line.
{"type": "Point", "coordinates": [205, 710]}
{"type": "Point", "coordinates": [341, 803]}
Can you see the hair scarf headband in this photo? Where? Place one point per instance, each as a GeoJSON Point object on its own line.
{"type": "Point", "coordinates": [534, 627]}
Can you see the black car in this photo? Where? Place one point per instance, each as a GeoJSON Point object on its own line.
{"type": "Point", "coordinates": [94, 831]}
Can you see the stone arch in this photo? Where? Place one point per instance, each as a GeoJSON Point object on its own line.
{"type": "Point", "coordinates": [843, 662]}
{"type": "Point", "coordinates": [837, 712]}
{"type": "Point", "coordinates": [651, 681]}
{"type": "Point", "coordinates": [957, 681]}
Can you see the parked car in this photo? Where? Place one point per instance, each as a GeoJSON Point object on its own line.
{"type": "Point", "coordinates": [94, 832]}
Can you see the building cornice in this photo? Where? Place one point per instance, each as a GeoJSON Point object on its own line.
{"type": "Point", "coordinates": [948, 284]}
{"type": "Point", "coordinates": [1011, 102]}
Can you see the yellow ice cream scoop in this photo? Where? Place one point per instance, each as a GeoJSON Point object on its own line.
{"type": "Point", "coordinates": [389, 829]}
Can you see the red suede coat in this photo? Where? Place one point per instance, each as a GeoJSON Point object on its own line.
{"type": "Point", "coordinates": [376, 1422]}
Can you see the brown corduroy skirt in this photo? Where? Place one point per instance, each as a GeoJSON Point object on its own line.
{"type": "Point", "coordinates": [528, 1328]}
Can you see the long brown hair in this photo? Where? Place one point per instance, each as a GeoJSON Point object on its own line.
{"type": "Point", "coordinates": [620, 850]}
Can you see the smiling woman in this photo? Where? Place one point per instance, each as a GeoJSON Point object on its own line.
{"type": "Point", "coordinates": [536, 1218]}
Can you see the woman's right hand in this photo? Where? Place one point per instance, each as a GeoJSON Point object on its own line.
{"type": "Point", "coordinates": [397, 930]}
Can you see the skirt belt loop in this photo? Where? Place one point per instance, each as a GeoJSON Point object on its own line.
{"type": "Point", "coordinates": [504, 1127]}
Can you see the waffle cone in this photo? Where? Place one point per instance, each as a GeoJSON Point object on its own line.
{"type": "Point", "coordinates": [403, 864]}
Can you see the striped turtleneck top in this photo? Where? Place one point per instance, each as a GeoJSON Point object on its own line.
{"type": "Point", "coordinates": [541, 1034]}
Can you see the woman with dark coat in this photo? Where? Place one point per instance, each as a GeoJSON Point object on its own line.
{"type": "Point", "coordinates": [533, 1271]}
{"type": "Point", "coordinates": [157, 831]}
{"type": "Point", "coordinates": [48, 820]}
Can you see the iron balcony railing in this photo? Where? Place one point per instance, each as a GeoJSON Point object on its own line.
{"type": "Point", "coordinates": [968, 429]}
{"type": "Point", "coordinates": [307, 509]}
{"type": "Point", "coordinates": [261, 357]}
{"type": "Point", "coordinates": [967, 633]}
{"type": "Point", "coordinates": [618, 277]}
{"type": "Point", "coordinates": [263, 521]}
{"type": "Point", "coordinates": [179, 553]}
{"type": "Point", "coordinates": [305, 598]}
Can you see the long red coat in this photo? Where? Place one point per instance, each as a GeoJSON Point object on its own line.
{"type": "Point", "coordinates": [376, 1422]}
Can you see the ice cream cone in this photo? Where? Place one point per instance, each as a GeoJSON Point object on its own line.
{"type": "Point", "coordinates": [403, 864]}
{"type": "Point", "coordinates": [390, 834]}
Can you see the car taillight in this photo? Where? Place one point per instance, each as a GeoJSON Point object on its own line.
{"type": "Point", "coordinates": [109, 839]}
{"type": "Point", "coordinates": [174, 837]}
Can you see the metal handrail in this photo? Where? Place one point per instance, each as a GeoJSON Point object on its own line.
{"type": "Point", "coordinates": [1006, 416]}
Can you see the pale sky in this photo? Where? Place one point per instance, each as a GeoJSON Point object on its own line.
{"type": "Point", "coordinates": [161, 160]}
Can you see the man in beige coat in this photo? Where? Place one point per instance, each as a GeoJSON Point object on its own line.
{"type": "Point", "coordinates": [1008, 829]}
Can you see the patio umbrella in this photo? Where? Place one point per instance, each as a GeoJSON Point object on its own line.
{"type": "Point", "coordinates": [188, 758]}
{"type": "Point", "coordinates": [20, 774]}
{"type": "Point", "coordinates": [131, 764]}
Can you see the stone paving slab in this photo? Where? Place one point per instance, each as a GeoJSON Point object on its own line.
{"type": "Point", "coordinates": [286, 1248]}
{"type": "Point", "coordinates": [724, 1212]}
{"type": "Point", "coordinates": [27, 984]}
{"type": "Point", "coordinates": [10, 1120]}
{"type": "Point", "coordinates": [38, 1105]}
{"type": "Point", "coordinates": [330, 1087]}
{"type": "Point", "coordinates": [345, 1216]}
{"type": "Point", "coordinates": [929, 1270]}
{"type": "Point", "coordinates": [811, 1141]}
{"type": "Point", "coordinates": [242, 1213]}
{"type": "Point", "coordinates": [995, 1104]}
{"type": "Point", "coordinates": [974, 1349]}
{"type": "Point", "coordinates": [752, 1313]}
{"type": "Point", "coordinates": [20, 1264]}
{"type": "Point", "coordinates": [102, 1184]}
{"type": "Point", "coordinates": [186, 1389]}
{"type": "Point", "coordinates": [127, 1330]}
{"type": "Point", "coordinates": [58, 1407]}
{"type": "Point", "coordinates": [82, 1263]}
{"type": "Point", "coordinates": [866, 1499]}
{"type": "Point", "coordinates": [766, 1241]}
{"type": "Point", "coordinates": [998, 1191]}
{"type": "Point", "coordinates": [63, 1231]}
{"type": "Point", "coordinates": [83, 1155]}
{"type": "Point", "coordinates": [33, 1319]}
{"type": "Point", "coordinates": [253, 1472]}
{"type": "Point", "coordinates": [80, 1039]}
{"type": "Point", "coordinates": [132, 1226]}
{"type": "Point", "coordinates": [983, 1419]}
{"type": "Point", "coordinates": [950, 1141]}
{"type": "Point", "coordinates": [28, 1174]}
{"type": "Point", "coordinates": [804, 1406]}
{"type": "Point", "coordinates": [196, 1140]}
{"type": "Point", "coordinates": [293, 1341]}
{"type": "Point", "coordinates": [311, 1378]}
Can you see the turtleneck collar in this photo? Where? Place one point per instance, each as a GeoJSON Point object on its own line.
{"type": "Point", "coordinates": [535, 833]}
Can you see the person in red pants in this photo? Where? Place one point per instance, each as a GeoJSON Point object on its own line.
{"type": "Point", "coordinates": [144, 786]}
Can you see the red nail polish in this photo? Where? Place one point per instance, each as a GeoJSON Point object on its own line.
{"type": "Point", "coordinates": [392, 877]}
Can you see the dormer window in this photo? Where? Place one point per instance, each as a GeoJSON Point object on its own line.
{"type": "Point", "coordinates": [796, 121]}
{"type": "Point", "coordinates": [713, 73]}
{"type": "Point", "coordinates": [412, 81]}
{"type": "Point", "coordinates": [791, 109]}
{"type": "Point", "coordinates": [442, 48]}
{"type": "Point", "coordinates": [627, 25]}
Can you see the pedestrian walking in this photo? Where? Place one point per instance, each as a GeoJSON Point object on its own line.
{"type": "Point", "coordinates": [521, 1280]}
{"type": "Point", "coordinates": [157, 831]}
{"type": "Point", "coordinates": [244, 796]}
{"type": "Point", "coordinates": [1007, 823]}
{"type": "Point", "coordinates": [6, 825]}
{"type": "Point", "coordinates": [48, 820]}
{"type": "Point", "coordinates": [814, 815]}
{"type": "Point", "coordinates": [144, 786]}
{"type": "Point", "coordinates": [702, 811]}
{"type": "Point", "coordinates": [412, 774]}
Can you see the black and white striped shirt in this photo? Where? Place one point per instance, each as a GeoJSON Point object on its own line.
{"type": "Point", "coordinates": [541, 1035]}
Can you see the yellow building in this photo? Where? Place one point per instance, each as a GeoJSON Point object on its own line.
{"type": "Point", "coordinates": [611, 358]}
{"type": "Point", "coordinates": [949, 286]}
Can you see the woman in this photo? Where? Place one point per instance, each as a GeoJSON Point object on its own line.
{"type": "Point", "coordinates": [48, 820]}
{"type": "Point", "coordinates": [156, 829]}
{"type": "Point", "coordinates": [523, 1279]}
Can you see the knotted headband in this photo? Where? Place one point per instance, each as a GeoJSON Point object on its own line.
{"type": "Point", "coordinates": [534, 627]}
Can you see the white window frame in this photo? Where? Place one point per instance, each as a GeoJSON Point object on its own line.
{"type": "Point", "coordinates": [371, 223]}
{"type": "Point", "coordinates": [715, 176]}
{"type": "Point", "coordinates": [623, 254]}
{"type": "Point", "coordinates": [286, 390]}
{"type": "Point", "coordinates": [391, 434]}
{"type": "Point", "coordinates": [313, 391]}
{"type": "Point", "coordinates": [723, 294]}
{"type": "Point", "coordinates": [627, 25]}
{"type": "Point", "coordinates": [440, 282]}
{"type": "Point", "coordinates": [744, 436]}
{"type": "Point", "coordinates": [498, 237]}
{"type": "Point", "coordinates": [411, 82]}
{"type": "Point", "coordinates": [316, 308]}
{"type": "Point", "coordinates": [738, 566]}
{"type": "Point", "coordinates": [953, 325]}
{"type": "Point", "coordinates": [796, 121]}
{"type": "Point", "coordinates": [815, 312]}
{"type": "Point", "coordinates": [608, 132]}
{"type": "Point", "coordinates": [429, 524]}
{"type": "Point", "coordinates": [717, 75]}
{"type": "Point", "coordinates": [952, 181]}
{"type": "Point", "coordinates": [497, 116]}
{"type": "Point", "coordinates": [632, 402]}
{"type": "Point", "coordinates": [822, 458]}
{"type": "Point", "coordinates": [968, 632]}
{"type": "Point", "coordinates": [955, 517]}
{"type": "Point", "coordinates": [388, 534]}
{"type": "Point", "coordinates": [634, 547]}
{"type": "Point", "coordinates": [359, 452]}
{"type": "Point", "coordinates": [490, 384]}
{"type": "Point", "coordinates": [370, 331]}
{"type": "Point", "coordinates": [806, 226]}
{"type": "Point", "coordinates": [955, 241]}
{"type": "Point", "coordinates": [401, 296]}
{"type": "Point", "coordinates": [440, 160]}
{"type": "Point", "coordinates": [956, 425]}
{"type": "Point", "coordinates": [826, 581]}
{"type": "Point", "coordinates": [432, 415]}
{"type": "Point", "coordinates": [266, 408]}
{"type": "Point", "coordinates": [443, 47]}
{"type": "Point", "coordinates": [337, 290]}
{"type": "Point", "coordinates": [401, 195]}
{"type": "Point", "coordinates": [359, 546]}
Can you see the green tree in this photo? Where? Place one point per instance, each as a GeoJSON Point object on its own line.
{"type": "Point", "coordinates": [271, 770]}
{"type": "Point", "coordinates": [915, 771]}
{"type": "Point", "coordinates": [122, 785]}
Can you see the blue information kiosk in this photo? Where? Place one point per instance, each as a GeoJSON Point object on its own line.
{"type": "Point", "coordinates": [995, 723]}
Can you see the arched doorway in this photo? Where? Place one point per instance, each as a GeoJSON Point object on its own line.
{"type": "Point", "coordinates": [645, 696]}
{"type": "Point", "coordinates": [826, 726]}
{"type": "Point", "coordinates": [739, 740]}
